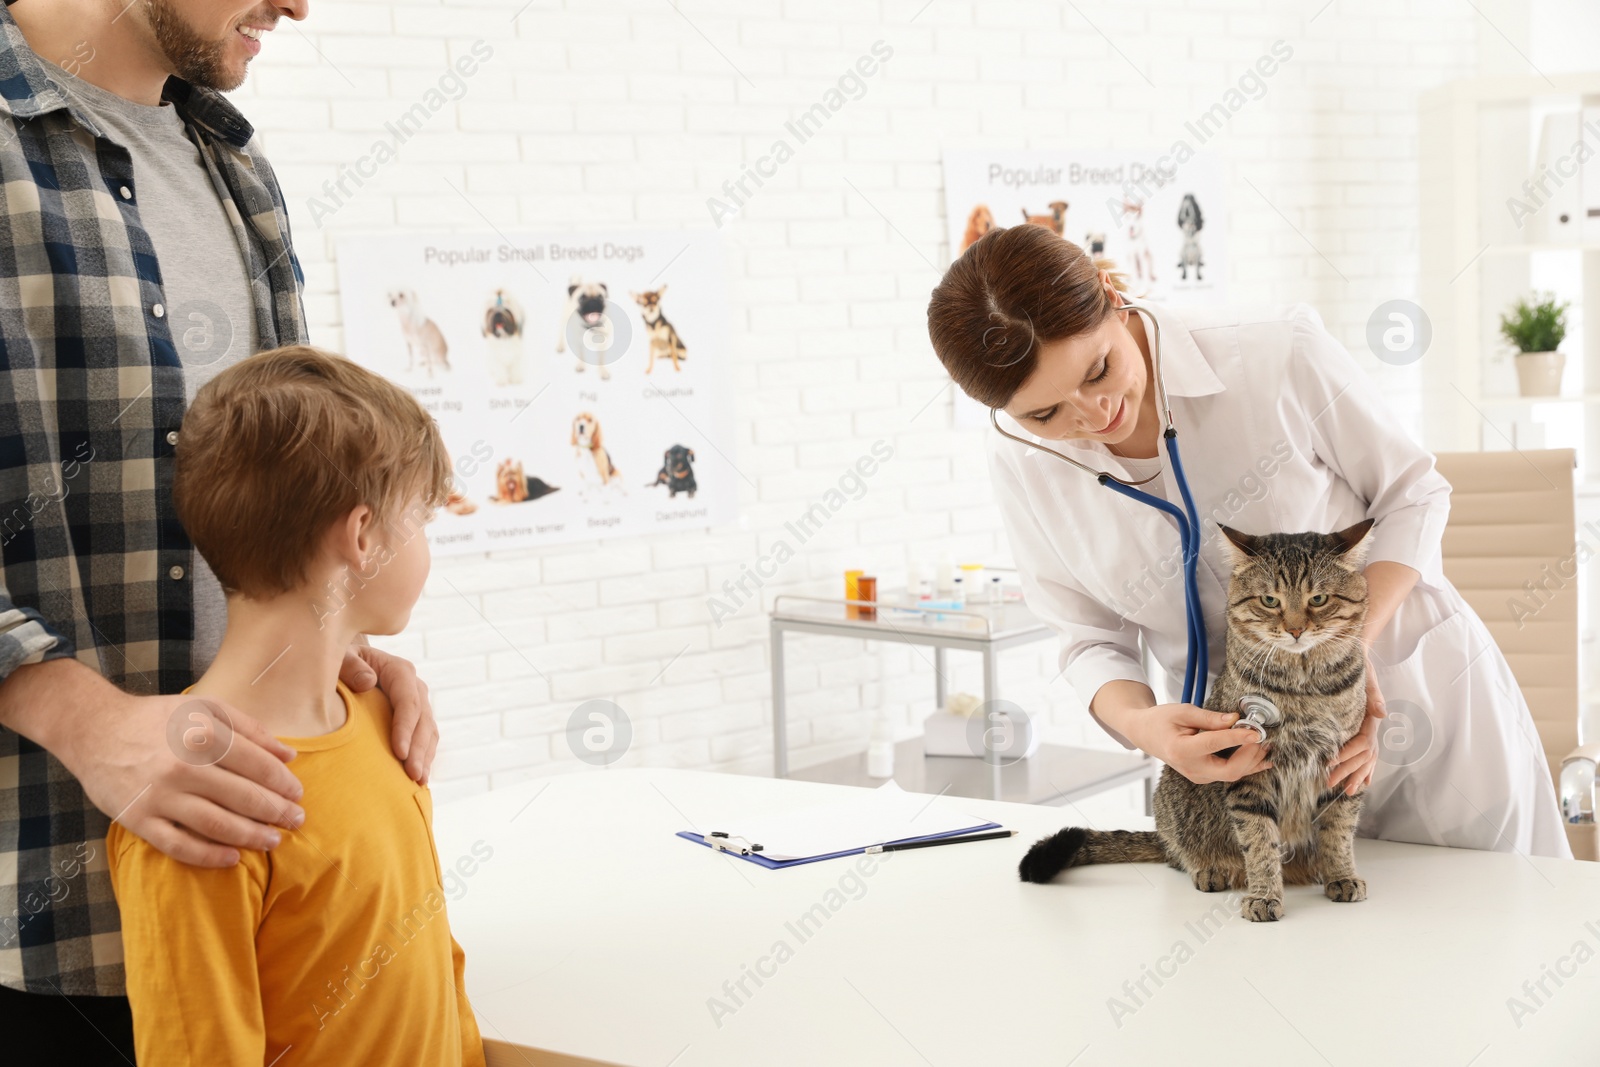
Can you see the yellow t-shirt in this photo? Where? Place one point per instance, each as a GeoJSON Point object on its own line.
{"type": "Point", "coordinates": [333, 948]}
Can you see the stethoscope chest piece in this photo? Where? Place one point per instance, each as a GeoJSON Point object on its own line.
{"type": "Point", "coordinates": [1258, 713]}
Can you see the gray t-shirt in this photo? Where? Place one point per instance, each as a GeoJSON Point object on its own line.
{"type": "Point", "coordinates": [206, 292]}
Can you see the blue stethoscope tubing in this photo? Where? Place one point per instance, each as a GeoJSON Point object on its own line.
{"type": "Point", "coordinates": [1197, 664]}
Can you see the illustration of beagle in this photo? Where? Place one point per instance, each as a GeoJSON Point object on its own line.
{"type": "Point", "coordinates": [594, 462]}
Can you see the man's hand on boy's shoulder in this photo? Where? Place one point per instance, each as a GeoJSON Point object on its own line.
{"type": "Point", "coordinates": [197, 779]}
{"type": "Point", "coordinates": [415, 736]}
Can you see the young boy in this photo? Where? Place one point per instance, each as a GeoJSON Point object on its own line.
{"type": "Point", "coordinates": [304, 481]}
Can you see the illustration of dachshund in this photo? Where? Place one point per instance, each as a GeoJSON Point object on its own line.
{"type": "Point", "coordinates": [1055, 222]}
{"type": "Point", "coordinates": [677, 472]}
{"type": "Point", "coordinates": [502, 337]}
{"type": "Point", "coordinates": [1144, 264]}
{"type": "Point", "coordinates": [594, 462]}
{"type": "Point", "coordinates": [587, 301]}
{"type": "Point", "coordinates": [424, 340]}
{"type": "Point", "coordinates": [980, 222]}
{"type": "Point", "coordinates": [1190, 222]}
{"type": "Point", "coordinates": [514, 486]}
{"type": "Point", "coordinates": [664, 340]}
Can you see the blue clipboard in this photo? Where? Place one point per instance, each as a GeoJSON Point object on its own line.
{"type": "Point", "coordinates": [772, 864]}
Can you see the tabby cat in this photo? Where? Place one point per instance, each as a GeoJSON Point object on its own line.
{"type": "Point", "coordinates": [1296, 604]}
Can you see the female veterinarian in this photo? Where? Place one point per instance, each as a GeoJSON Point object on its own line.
{"type": "Point", "coordinates": [1280, 431]}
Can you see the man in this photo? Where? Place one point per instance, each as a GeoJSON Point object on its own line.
{"type": "Point", "coordinates": [146, 247]}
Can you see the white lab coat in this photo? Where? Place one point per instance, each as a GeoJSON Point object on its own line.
{"type": "Point", "coordinates": [1281, 431]}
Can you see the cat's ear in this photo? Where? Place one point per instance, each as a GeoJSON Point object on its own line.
{"type": "Point", "coordinates": [1244, 544]}
{"type": "Point", "coordinates": [1351, 542]}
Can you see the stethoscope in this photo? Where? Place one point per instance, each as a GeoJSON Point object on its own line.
{"type": "Point", "coordinates": [1197, 663]}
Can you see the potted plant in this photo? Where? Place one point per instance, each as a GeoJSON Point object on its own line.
{"type": "Point", "coordinates": [1536, 330]}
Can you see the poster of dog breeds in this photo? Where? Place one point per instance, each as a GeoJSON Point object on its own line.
{"type": "Point", "coordinates": [1115, 204]}
{"type": "Point", "coordinates": [586, 305]}
{"type": "Point", "coordinates": [664, 340]}
{"type": "Point", "coordinates": [425, 343]}
{"type": "Point", "coordinates": [502, 329]}
{"type": "Point", "coordinates": [615, 420]}
{"type": "Point", "coordinates": [677, 472]}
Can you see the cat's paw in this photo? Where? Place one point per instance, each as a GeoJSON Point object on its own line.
{"type": "Point", "coordinates": [1262, 909]}
{"type": "Point", "coordinates": [1210, 879]}
{"type": "Point", "coordinates": [1346, 890]}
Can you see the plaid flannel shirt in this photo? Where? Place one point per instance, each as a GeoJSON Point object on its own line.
{"type": "Point", "coordinates": [95, 563]}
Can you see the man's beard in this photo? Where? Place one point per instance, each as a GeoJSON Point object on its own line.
{"type": "Point", "coordinates": [195, 59]}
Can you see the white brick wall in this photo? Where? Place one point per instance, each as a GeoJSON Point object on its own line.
{"type": "Point", "coordinates": [603, 113]}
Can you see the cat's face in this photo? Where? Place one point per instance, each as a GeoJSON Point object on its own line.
{"type": "Point", "coordinates": [1294, 592]}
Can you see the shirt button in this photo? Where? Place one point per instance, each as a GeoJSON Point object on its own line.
{"type": "Point", "coordinates": [175, 573]}
{"type": "Point", "coordinates": [127, 194]}
{"type": "Point", "coordinates": [172, 437]}
{"type": "Point", "coordinates": [158, 311]}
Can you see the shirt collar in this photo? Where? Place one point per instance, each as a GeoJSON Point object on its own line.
{"type": "Point", "coordinates": [1185, 368]}
{"type": "Point", "coordinates": [27, 91]}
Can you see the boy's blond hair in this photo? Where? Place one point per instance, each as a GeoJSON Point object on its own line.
{"type": "Point", "coordinates": [286, 442]}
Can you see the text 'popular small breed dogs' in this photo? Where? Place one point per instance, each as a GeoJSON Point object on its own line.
{"type": "Point", "coordinates": [664, 340]}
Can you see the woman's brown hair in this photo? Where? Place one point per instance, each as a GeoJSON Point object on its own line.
{"type": "Point", "coordinates": [1012, 291]}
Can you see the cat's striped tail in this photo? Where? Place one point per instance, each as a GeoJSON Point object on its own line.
{"type": "Point", "coordinates": [1075, 847]}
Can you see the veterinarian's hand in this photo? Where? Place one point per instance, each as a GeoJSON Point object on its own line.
{"type": "Point", "coordinates": [1187, 738]}
{"type": "Point", "coordinates": [415, 737]}
{"type": "Point", "coordinates": [1359, 757]}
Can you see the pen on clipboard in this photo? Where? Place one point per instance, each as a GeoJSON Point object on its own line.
{"type": "Point", "coordinates": [722, 842]}
{"type": "Point", "coordinates": [872, 849]}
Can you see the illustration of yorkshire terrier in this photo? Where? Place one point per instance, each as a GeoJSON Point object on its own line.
{"type": "Point", "coordinates": [514, 486]}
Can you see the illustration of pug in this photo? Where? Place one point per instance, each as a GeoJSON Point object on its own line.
{"type": "Point", "coordinates": [587, 301]}
{"type": "Point", "coordinates": [502, 338]}
{"type": "Point", "coordinates": [424, 340]}
{"type": "Point", "coordinates": [664, 340]}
